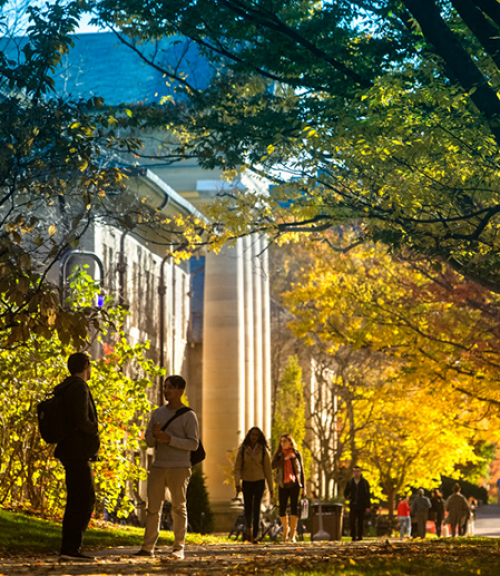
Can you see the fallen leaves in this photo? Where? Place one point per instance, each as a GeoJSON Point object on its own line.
{"type": "Point", "coordinates": [326, 558]}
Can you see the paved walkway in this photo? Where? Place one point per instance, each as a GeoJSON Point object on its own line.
{"type": "Point", "coordinates": [488, 521]}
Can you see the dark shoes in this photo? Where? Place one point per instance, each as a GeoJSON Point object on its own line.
{"type": "Point", "coordinates": [145, 553]}
{"type": "Point", "coordinates": [75, 557]}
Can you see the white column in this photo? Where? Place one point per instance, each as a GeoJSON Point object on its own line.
{"type": "Point", "coordinates": [223, 366]}
{"type": "Point", "coordinates": [249, 335]}
{"type": "Point", "coordinates": [266, 339]}
{"type": "Point", "coordinates": [258, 341]}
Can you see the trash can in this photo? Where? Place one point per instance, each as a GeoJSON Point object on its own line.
{"type": "Point", "coordinates": [331, 515]}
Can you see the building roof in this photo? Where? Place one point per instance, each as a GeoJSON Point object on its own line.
{"type": "Point", "coordinates": [99, 64]}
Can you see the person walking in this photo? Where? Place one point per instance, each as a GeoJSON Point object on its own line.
{"type": "Point", "coordinates": [357, 491]}
{"type": "Point", "coordinates": [290, 479]}
{"type": "Point", "coordinates": [77, 452]}
{"type": "Point", "coordinates": [173, 431]}
{"type": "Point", "coordinates": [437, 510]}
{"type": "Point", "coordinates": [252, 470]}
{"type": "Point", "coordinates": [404, 517]}
{"type": "Point", "coordinates": [420, 509]}
{"type": "Point", "coordinates": [458, 510]}
{"type": "Point", "coordinates": [469, 528]}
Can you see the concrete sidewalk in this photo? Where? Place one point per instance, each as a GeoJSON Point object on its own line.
{"type": "Point", "coordinates": [488, 521]}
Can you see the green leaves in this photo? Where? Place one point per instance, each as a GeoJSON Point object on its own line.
{"type": "Point", "coordinates": [351, 113]}
{"type": "Point", "coordinates": [29, 476]}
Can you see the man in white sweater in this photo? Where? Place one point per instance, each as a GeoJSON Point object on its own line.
{"type": "Point", "coordinates": [174, 438]}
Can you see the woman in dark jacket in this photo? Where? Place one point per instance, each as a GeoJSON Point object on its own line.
{"type": "Point", "coordinates": [290, 479]}
{"type": "Point", "coordinates": [437, 510]}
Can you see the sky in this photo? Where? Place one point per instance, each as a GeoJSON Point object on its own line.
{"type": "Point", "coordinates": [85, 26]}
{"type": "Point", "coordinates": [13, 7]}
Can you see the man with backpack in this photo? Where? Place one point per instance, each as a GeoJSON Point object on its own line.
{"type": "Point", "coordinates": [173, 431]}
{"type": "Point", "coordinates": [76, 451]}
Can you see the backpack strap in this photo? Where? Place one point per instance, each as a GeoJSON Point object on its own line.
{"type": "Point", "coordinates": [178, 413]}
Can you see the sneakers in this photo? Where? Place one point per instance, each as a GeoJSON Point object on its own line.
{"type": "Point", "coordinates": [145, 553]}
{"type": "Point", "coordinates": [177, 555]}
{"type": "Point", "coordinates": [75, 557]}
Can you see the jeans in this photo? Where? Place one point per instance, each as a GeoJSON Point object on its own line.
{"type": "Point", "coordinates": [252, 497]}
{"type": "Point", "coordinates": [404, 526]}
{"type": "Point", "coordinates": [80, 503]}
{"type": "Point", "coordinates": [357, 518]}
{"type": "Point", "coordinates": [291, 492]}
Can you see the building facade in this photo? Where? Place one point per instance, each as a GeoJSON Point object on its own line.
{"type": "Point", "coordinates": [207, 319]}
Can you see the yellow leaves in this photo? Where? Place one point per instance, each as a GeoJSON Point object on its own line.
{"type": "Point", "coordinates": [309, 132]}
{"type": "Point", "coordinates": [52, 230]}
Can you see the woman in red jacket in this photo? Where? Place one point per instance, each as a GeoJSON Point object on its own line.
{"type": "Point", "coordinates": [404, 517]}
{"type": "Point", "coordinates": [290, 480]}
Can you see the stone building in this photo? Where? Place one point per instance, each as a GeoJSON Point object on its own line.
{"type": "Point", "coordinates": [208, 318]}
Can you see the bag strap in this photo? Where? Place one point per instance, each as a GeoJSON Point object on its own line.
{"type": "Point", "coordinates": [179, 412]}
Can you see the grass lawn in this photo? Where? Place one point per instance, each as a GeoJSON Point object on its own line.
{"type": "Point", "coordinates": [23, 533]}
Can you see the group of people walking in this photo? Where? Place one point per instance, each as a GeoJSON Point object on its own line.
{"type": "Point", "coordinates": [173, 432]}
{"type": "Point", "coordinates": [253, 469]}
{"type": "Point", "coordinates": [456, 511]}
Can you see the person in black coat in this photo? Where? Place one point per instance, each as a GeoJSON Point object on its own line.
{"type": "Point", "coordinates": [358, 493]}
{"type": "Point", "coordinates": [437, 511]}
{"type": "Point", "coordinates": [76, 452]}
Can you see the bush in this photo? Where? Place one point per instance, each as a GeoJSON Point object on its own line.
{"type": "Point", "coordinates": [198, 506]}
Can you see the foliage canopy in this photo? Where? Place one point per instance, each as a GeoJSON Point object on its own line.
{"type": "Point", "coordinates": [385, 112]}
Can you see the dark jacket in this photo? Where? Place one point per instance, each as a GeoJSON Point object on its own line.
{"type": "Point", "coordinates": [297, 464]}
{"type": "Point", "coordinates": [359, 495]}
{"type": "Point", "coordinates": [82, 440]}
{"type": "Point", "coordinates": [420, 505]}
{"type": "Point", "coordinates": [437, 509]}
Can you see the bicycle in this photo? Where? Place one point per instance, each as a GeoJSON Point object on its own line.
{"type": "Point", "coordinates": [270, 525]}
{"type": "Point", "coordinates": [166, 521]}
{"type": "Point", "coordinates": [239, 527]}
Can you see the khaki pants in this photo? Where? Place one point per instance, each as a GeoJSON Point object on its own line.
{"type": "Point", "coordinates": [176, 480]}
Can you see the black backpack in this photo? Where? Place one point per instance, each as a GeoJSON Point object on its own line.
{"type": "Point", "coordinates": [196, 455]}
{"type": "Point", "coordinates": [52, 419]}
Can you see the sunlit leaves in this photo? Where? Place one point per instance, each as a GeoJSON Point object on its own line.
{"type": "Point", "coordinates": [29, 475]}
{"type": "Point", "coordinates": [413, 359]}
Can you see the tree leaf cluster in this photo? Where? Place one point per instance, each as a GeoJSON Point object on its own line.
{"type": "Point", "coordinates": [405, 374]}
{"type": "Point", "coordinates": [384, 112]}
{"type": "Point", "coordinates": [30, 477]}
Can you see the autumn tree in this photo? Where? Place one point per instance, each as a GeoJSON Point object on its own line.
{"type": "Point", "coordinates": [289, 416]}
{"type": "Point", "coordinates": [382, 112]}
{"type": "Point", "coordinates": [419, 312]}
{"type": "Point", "coordinates": [30, 476]}
{"type": "Point", "coordinates": [413, 439]}
{"type": "Point", "coordinates": [428, 374]}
